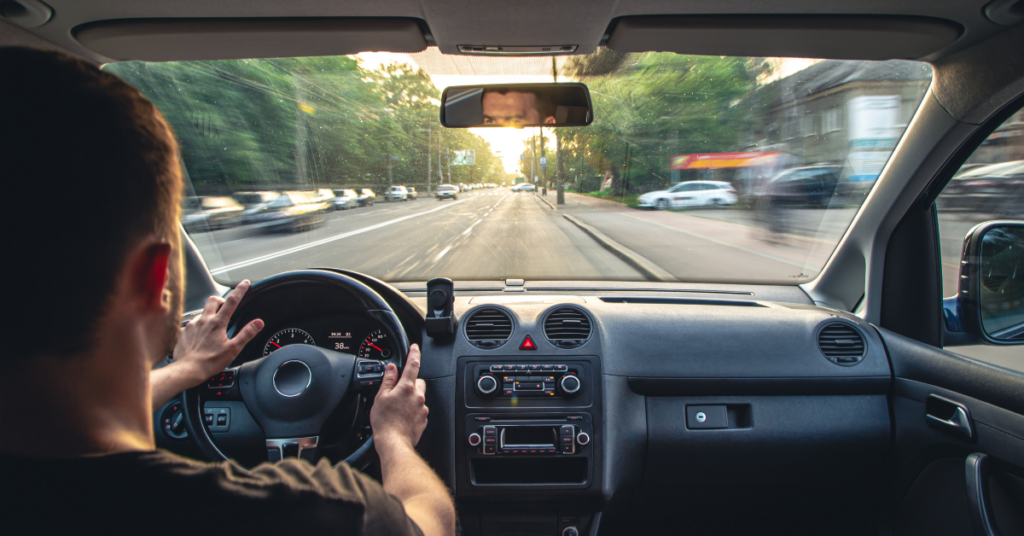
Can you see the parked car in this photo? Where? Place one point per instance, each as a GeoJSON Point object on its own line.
{"type": "Point", "coordinates": [397, 193]}
{"type": "Point", "coordinates": [326, 196]}
{"type": "Point", "coordinates": [210, 213]}
{"type": "Point", "coordinates": [690, 194]}
{"type": "Point", "coordinates": [366, 197]}
{"type": "Point", "coordinates": [345, 199]}
{"type": "Point", "coordinates": [412, 193]}
{"type": "Point", "coordinates": [446, 191]}
{"type": "Point", "coordinates": [524, 187]}
{"type": "Point", "coordinates": [991, 189]}
{"type": "Point", "coordinates": [254, 203]}
{"type": "Point", "coordinates": [809, 186]}
{"type": "Point", "coordinates": [293, 211]}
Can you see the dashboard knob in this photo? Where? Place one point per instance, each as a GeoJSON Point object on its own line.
{"type": "Point", "coordinates": [570, 384]}
{"type": "Point", "coordinates": [570, 531]}
{"type": "Point", "coordinates": [582, 438]}
{"type": "Point", "coordinates": [487, 384]}
{"type": "Point", "coordinates": [474, 439]}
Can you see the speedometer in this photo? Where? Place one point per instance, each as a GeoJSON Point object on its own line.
{"type": "Point", "coordinates": [284, 338]}
{"type": "Point", "coordinates": [376, 346]}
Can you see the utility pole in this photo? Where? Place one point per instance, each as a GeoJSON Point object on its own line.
{"type": "Point", "coordinates": [300, 133]}
{"type": "Point", "coordinates": [430, 146]}
{"type": "Point", "coordinates": [544, 168]}
{"type": "Point", "coordinates": [440, 176]}
{"type": "Point", "coordinates": [448, 159]}
{"type": "Point", "coordinates": [560, 176]}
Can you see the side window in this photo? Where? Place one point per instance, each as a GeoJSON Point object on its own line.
{"type": "Point", "coordinates": [989, 186]}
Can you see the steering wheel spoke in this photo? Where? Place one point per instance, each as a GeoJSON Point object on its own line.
{"type": "Point", "coordinates": [223, 386]}
{"type": "Point", "coordinates": [305, 448]}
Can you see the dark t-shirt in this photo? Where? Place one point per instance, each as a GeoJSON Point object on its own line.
{"type": "Point", "coordinates": [159, 492]}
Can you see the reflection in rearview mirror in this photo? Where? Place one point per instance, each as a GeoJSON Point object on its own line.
{"type": "Point", "coordinates": [517, 106]}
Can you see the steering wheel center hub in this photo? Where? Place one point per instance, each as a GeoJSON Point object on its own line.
{"type": "Point", "coordinates": [292, 378]}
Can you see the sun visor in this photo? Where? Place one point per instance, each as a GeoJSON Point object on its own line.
{"type": "Point", "coordinates": [812, 36]}
{"type": "Point", "coordinates": [223, 39]}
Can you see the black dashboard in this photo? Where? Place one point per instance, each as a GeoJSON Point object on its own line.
{"type": "Point", "coordinates": [352, 334]}
{"type": "Point", "coordinates": [632, 411]}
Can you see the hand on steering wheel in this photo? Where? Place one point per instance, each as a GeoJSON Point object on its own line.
{"type": "Point", "coordinates": [399, 412]}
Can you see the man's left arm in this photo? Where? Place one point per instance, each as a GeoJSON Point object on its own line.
{"type": "Point", "coordinates": [203, 348]}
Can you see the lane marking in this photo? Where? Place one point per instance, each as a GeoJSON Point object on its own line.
{"type": "Point", "coordinates": [467, 231]}
{"type": "Point", "coordinates": [327, 240]}
{"type": "Point", "coordinates": [439, 255]}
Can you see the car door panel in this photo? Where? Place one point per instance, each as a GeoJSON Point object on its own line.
{"type": "Point", "coordinates": [929, 492]}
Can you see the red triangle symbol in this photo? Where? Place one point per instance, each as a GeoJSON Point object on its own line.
{"type": "Point", "coordinates": [528, 344]}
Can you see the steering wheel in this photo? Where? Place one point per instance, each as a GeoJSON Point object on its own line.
{"type": "Point", "coordinates": [300, 394]}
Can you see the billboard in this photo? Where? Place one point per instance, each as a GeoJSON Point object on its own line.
{"type": "Point", "coordinates": [464, 158]}
{"type": "Point", "coordinates": [723, 160]}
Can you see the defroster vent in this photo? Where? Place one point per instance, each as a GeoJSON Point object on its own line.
{"type": "Point", "coordinates": [841, 344]}
{"type": "Point", "coordinates": [567, 327]}
{"type": "Point", "coordinates": [488, 328]}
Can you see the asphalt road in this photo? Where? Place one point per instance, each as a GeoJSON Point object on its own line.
{"type": "Point", "coordinates": [487, 234]}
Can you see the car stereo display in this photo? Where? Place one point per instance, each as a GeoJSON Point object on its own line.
{"type": "Point", "coordinates": [529, 437]}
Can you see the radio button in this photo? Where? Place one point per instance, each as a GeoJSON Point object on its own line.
{"type": "Point", "coordinates": [561, 368]}
{"type": "Point", "coordinates": [474, 439]}
{"type": "Point", "coordinates": [522, 367]}
{"type": "Point", "coordinates": [496, 368]}
{"type": "Point", "coordinates": [570, 384]}
{"type": "Point", "coordinates": [582, 438]}
{"type": "Point", "coordinates": [487, 384]}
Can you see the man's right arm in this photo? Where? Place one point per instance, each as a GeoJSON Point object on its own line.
{"type": "Point", "coordinates": [398, 417]}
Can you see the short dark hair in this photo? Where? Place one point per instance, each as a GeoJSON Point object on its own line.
{"type": "Point", "coordinates": [90, 169]}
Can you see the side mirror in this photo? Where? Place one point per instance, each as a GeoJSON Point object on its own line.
{"type": "Point", "coordinates": [517, 106]}
{"type": "Point", "coordinates": [990, 302]}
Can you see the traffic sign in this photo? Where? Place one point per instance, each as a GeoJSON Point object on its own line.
{"type": "Point", "coordinates": [543, 161]}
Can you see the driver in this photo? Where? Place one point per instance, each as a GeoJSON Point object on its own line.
{"type": "Point", "coordinates": [516, 109]}
{"type": "Point", "coordinates": [98, 302]}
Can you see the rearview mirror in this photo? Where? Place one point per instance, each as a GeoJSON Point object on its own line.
{"type": "Point", "coordinates": [517, 106]}
{"type": "Point", "coordinates": [991, 295]}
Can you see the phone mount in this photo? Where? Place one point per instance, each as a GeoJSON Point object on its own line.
{"type": "Point", "coordinates": [440, 321]}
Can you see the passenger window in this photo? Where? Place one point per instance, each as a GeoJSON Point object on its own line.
{"type": "Point", "coordinates": [989, 186]}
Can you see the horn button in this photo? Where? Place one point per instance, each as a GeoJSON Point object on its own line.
{"type": "Point", "coordinates": [293, 391]}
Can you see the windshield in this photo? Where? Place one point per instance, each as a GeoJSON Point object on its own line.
{"type": "Point", "coordinates": [786, 150]}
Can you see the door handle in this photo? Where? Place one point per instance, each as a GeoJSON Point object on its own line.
{"type": "Point", "coordinates": [979, 467]}
{"type": "Point", "coordinates": [949, 416]}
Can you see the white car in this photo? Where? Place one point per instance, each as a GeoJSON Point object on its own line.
{"type": "Point", "coordinates": [397, 193]}
{"type": "Point", "coordinates": [524, 187]}
{"type": "Point", "coordinates": [690, 194]}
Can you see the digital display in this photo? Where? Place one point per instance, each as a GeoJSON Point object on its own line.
{"type": "Point", "coordinates": [528, 436]}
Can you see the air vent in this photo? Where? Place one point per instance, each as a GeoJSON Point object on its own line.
{"type": "Point", "coordinates": [567, 327]}
{"type": "Point", "coordinates": [841, 344]}
{"type": "Point", "coordinates": [488, 328]}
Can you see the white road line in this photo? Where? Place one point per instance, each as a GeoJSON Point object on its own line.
{"type": "Point", "coordinates": [439, 255]}
{"type": "Point", "coordinates": [467, 231]}
{"type": "Point", "coordinates": [478, 221]}
{"type": "Point", "coordinates": [327, 240]}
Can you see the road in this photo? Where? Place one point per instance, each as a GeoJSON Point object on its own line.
{"type": "Point", "coordinates": [486, 234]}
{"type": "Point", "coordinates": [495, 234]}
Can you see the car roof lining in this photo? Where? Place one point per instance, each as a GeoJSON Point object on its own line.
{"type": "Point", "coordinates": [491, 22]}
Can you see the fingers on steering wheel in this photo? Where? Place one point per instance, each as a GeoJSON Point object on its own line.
{"type": "Point", "coordinates": [390, 378]}
{"type": "Point", "coordinates": [412, 366]}
{"type": "Point", "coordinates": [247, 334]}
{"type": "Point", "coordinates": [231, 303]}
{"type": "Point", "coordinates": [212, 304]}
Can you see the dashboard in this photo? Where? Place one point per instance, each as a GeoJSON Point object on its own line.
{"type": "Point", "coordinates": [551, 412]}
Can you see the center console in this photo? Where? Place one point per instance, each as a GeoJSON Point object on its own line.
{"type": "Point", "coordinates": [528, 440]}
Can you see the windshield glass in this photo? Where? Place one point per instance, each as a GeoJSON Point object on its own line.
{"type": "Point", "coordinates": [786, 150]}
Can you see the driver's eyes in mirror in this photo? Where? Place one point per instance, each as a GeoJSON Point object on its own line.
{"type": "Point", "coordinates": [517, 106]}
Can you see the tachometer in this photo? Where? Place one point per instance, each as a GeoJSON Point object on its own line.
{"type": "Point", "coordinates": [284, 338]}
{"type": "Point", "coordinates": [376, 346]}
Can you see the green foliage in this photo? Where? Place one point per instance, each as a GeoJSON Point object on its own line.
{"type": "Point", "coordinates": [648, 107]}
{"type": "Point", "coordinates": [304, 123]}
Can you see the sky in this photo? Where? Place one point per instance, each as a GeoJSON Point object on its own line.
{"type": "Point", "coordinates": [508, 143]}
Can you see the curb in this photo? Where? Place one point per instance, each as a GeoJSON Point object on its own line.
{"type": "Point", "coordinates": [538, 196]}
{"type": "Point", "coordinates": [651, 271]}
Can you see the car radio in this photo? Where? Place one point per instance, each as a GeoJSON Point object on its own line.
{"type": "Point", "coordinates": [528, 380]}
{"type": "Point", "coordinates": [561, 436]}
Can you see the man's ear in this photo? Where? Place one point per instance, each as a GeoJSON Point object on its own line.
{"type": "Point", "coordinates": [149, 275]}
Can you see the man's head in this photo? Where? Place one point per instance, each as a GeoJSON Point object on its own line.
{"type": "Point", "coordinates": [93, 186]}
{"type": "Point", "coordinates": [516, 109]}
